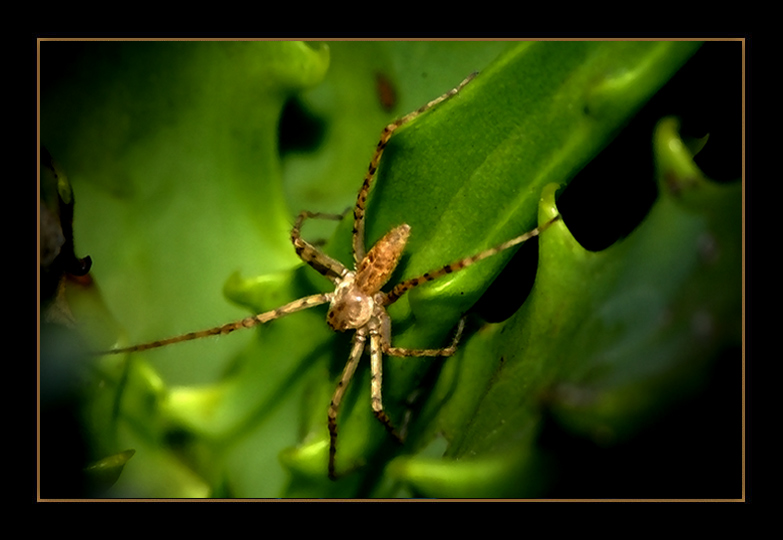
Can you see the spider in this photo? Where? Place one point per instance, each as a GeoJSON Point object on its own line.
{"type": "Point", "coordinates": [357, 302]}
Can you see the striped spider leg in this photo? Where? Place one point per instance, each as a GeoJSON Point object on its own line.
{"type": "Point", "coordinates": [357, 302]}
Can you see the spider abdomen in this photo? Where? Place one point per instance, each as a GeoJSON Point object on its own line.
{"type": "Point", "coordinates": [375, 269]}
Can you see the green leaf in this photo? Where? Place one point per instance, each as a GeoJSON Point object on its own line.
{"type": "Point", "coordinates": [184, 183]}
{"type": "Point", "coordinates": [603, 359]}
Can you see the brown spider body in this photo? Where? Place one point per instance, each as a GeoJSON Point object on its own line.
{"type": "Point", "coordinates": [357, 302]}
{"type": "Point", "coordinates": [357, 298]}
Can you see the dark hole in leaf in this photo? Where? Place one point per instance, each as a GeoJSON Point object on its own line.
{"type": "Point", "coordinates": [299, 129]}
{"type": "Point", "coordinates": [612, 194]}
{"type": "Point", "coordinates": [509, 290]}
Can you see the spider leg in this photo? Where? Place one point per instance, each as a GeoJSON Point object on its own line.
{"type": "Point", "coordinates": [361, 200]}
{"type": "Point", "coordinates": [334, 407]}
{"type": "Point", "coordinates": [404, 286]}
{"type": "Point", "coordinates": [376, 370]}
{"type": "Point", "coordinates": [247, 322]}
{"type": "Point", "coordinates": [401, 351]}
{"type": "Point", "coordinates": [321, 262]}
{"type": "Point", "coordinates": [380, 344]}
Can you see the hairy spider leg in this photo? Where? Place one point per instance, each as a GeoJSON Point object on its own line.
{"type": "Point", "coordinates": [317, 259]}
{"type": "Point", "coordinates": [387, 347]}
{"type": "Point", "coordinates": [388, 131]}
{"type": "Point", "coordinates": [405, 286]}
{"type": "Point", "coordinates": [376, 384]}
{"type": "Point", "coordinates": [380, 344]}
{"type": "Point", "coordinates": [248, 322]}
{"type": "Point", "coordinates": [334, 406]}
